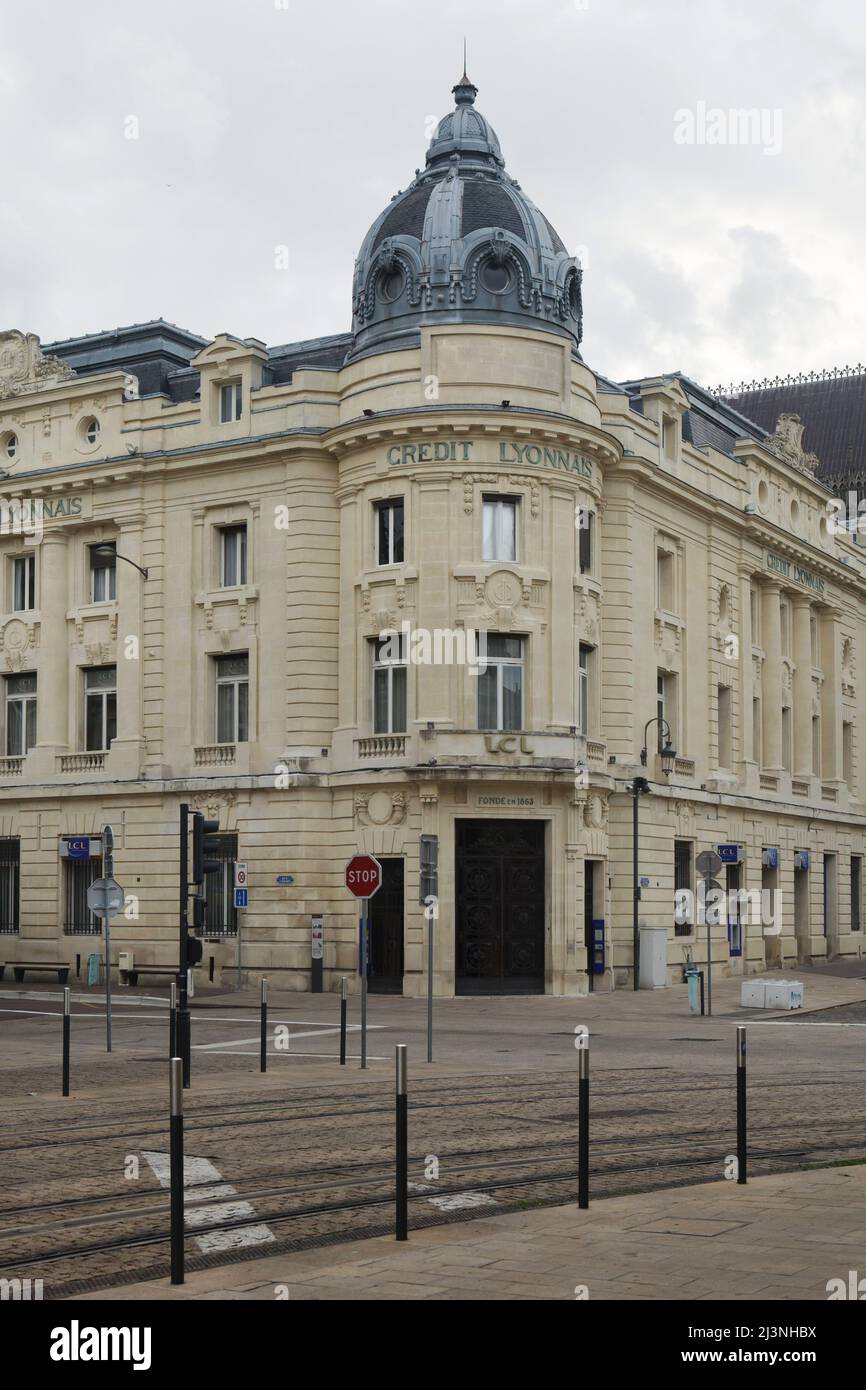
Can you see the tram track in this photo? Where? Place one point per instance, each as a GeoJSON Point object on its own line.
{"type": "Point", "coordinates": [319, 1170]}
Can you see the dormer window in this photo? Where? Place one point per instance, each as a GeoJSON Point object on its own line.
{"type": "Point", "coordinates": [230, 402]}
{"type": "Point", "coordinates": [10, 446]}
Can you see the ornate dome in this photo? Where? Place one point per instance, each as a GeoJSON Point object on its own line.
{"type": "Point", "coordinates": [462, 244]}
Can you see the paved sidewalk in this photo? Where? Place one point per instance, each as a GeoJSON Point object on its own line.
{"type": "Point", "coordinates": [777, 1238]}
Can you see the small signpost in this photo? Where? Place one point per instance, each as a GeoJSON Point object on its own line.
{"type": "Point", "coordinates": [363, 879]}
{"type": "Point", "coordinates": [105, 898]}
{"type": "Point", "coordinates": [708, 864]}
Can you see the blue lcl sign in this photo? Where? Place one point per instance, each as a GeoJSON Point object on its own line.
{"type": "Point", "coordinates": [77, 847]}
{"type": "Point", "coordinates": [729, 854]}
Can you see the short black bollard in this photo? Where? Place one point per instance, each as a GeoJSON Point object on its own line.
{"type": "Point", "coordinates": [176, 1167]}
{"type": "Point", "coordinates": [66, 1040]}
{"type": "Point", "coordinates": [583, 1125]}
{"type": "Point", "coordinates": [343, 1021]}
{"type": "Point", "coordinates": [741, 1104]}
{"type": "Point", "coordinates": [263, 1063]}
{"type": "Point", "coordinates": [402, 1146]}
{"type": "Point", "coordinates": [701, 978]}
{"type": "Point", "coordinates": [172, 1022]}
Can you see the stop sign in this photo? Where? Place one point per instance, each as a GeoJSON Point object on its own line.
{"type": "Point", "coordinates": [363, 875]}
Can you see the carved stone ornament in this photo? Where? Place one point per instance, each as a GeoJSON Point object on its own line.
{"type": "Point", "coordinates": [25, 368]}
{"type": "Point", "coordinates": [595, 813]}
{"type": "Point", "coordinates": [503, 590]}
{"type": "Point", "coordinates": [786, 442]}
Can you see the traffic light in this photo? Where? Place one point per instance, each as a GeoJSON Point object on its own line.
{"type": "Point", "coordinates": [205, 852]}
{"type": "Point", "coordinates": [429, 878]}
{"type": "Point", "coordinates": [194, 950]}
{"type": "Point", "coordinates": [198, 914]}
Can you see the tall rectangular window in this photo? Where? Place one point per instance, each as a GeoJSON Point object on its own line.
{"type": "Point", "coordinates": [10, 885]}
{"type": "Point", "coordinates": [233, 556]}
{"type": "Point", "coordinates": [787, 747]}
{"type": "Point", "coordinates": [856, 890]}
{"type": "Point", "coordinates": [755, 617]}
{"type": "Point", "coordinates": [78, 874]}
{"type": "Point", "coordinates": [230, 402]}
{"type": "Point", "coordinates": [103, 573]}
{"type": "Point", "coordinates": [585, 525]}
{"type": "Point", "coordinates": [20, 714]}
{"type": "Point", "coordinates": [23, 583]}
{"type": "Point", "coordinates": [389, 531]}
{"type": "Point", "coordinates": [389, 685]}
{"type": "Point", "coordinates": [683, 879]}
{"type": "Point", "coordinates": [666, 581]}
{"type": "Point", "coordinates": [233, 698]}
{"type": "Point", "coordinates": [666, 708]}
{"type": "Point", "coordinates": [500, 685]}
{"type": "Point", "coordinates": [584, 688]}
{"type": "Point", "coordinates": [848, 752]}
{"type": "Point", "coordinates": [757, 749]}
{"type": "Point", "coordinates": [499, 541]}
{"type": "Point", "coordinates": [724, 703]}
{"type": "Point", "coordinates": [100, 708]}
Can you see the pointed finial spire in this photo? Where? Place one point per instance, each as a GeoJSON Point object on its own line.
{"type": "Point", "coordinates": [465, 92]}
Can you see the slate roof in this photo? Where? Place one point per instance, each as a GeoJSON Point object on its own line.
{"type": "Point", "coordinates": [831, 405]}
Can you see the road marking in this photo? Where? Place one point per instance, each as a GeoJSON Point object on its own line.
{"type": "Point", "coordinates": [798, 1023]}
{"type": "Point", "coordinates": [456, 1201]}
{"type": "Point", "coordinates": [243, 1042]}
{"type": "Point", "coordinates": [322, 1056]}
{"type": "Point", "coordinates": [452, 1201]}
{"type": "Point", "coordinates": [201, 1182]}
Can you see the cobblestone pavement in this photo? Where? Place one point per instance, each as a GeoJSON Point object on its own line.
{"type": "Point", "coordinates": [303, 1155]}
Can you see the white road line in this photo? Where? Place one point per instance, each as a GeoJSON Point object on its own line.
{"type": "Point", "coordinates": [797, 1023]}
{"type": "Point", "coordinates": [201, 1182]}
{"type": "Point", "coordinates": [322, 1056]}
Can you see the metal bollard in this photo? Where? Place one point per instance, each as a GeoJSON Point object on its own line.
{"type": "Point", "coordinates": [172, 1022]}
{"type": "Point", "coordinates": [402, 1146]}
{"type": "Point", "coordinates": [66, 1040]}
{"type": "Point", "coordinates": [343, 1005]}
{"type": "Point", "coordinates": [741, 1103]}
{"type": "Point", "coordinates": [263, 1063]}
{"type": "Point", "coordinates": [703, 1000]}
{"type": "Point", "coordinates": [176, 1167]}
{"type": "Point", "coordinates": [583, 1127]}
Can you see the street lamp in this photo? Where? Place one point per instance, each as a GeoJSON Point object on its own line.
{"type": "Point", "coordinates": [639, 787]}
{"type": "Point", "coordinates": [106, 552]}
{"type": "Point", "coordinates": [668, 752]}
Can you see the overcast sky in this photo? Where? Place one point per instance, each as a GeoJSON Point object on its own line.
{"type": "Point", "coordinates": [264, 123]}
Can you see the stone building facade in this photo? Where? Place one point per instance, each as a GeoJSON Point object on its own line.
{"type": "Point", "coordinates": [432, 576]}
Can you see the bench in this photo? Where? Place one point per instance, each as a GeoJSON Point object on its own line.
{"type": "Point", "coordinates": [18, 967]}
{"type": "Point", "coordinates": [132, 975]}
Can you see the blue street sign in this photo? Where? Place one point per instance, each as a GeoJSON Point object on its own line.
{"type": "Point", "coordinates": [729, 854]}
{"type": "Point", "coordinates": [285, 879]}
{"type": "Point", "coordinates": [78, 847]}
{"type": "Point", "coordinates": [241, 897]}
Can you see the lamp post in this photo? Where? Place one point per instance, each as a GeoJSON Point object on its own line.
{"type": "Point", "coordinates": [106, 552]}
{"type": "Point", "coordinates": [640, 787]}
{"type": "Point", "coordinates": [667, 750]}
